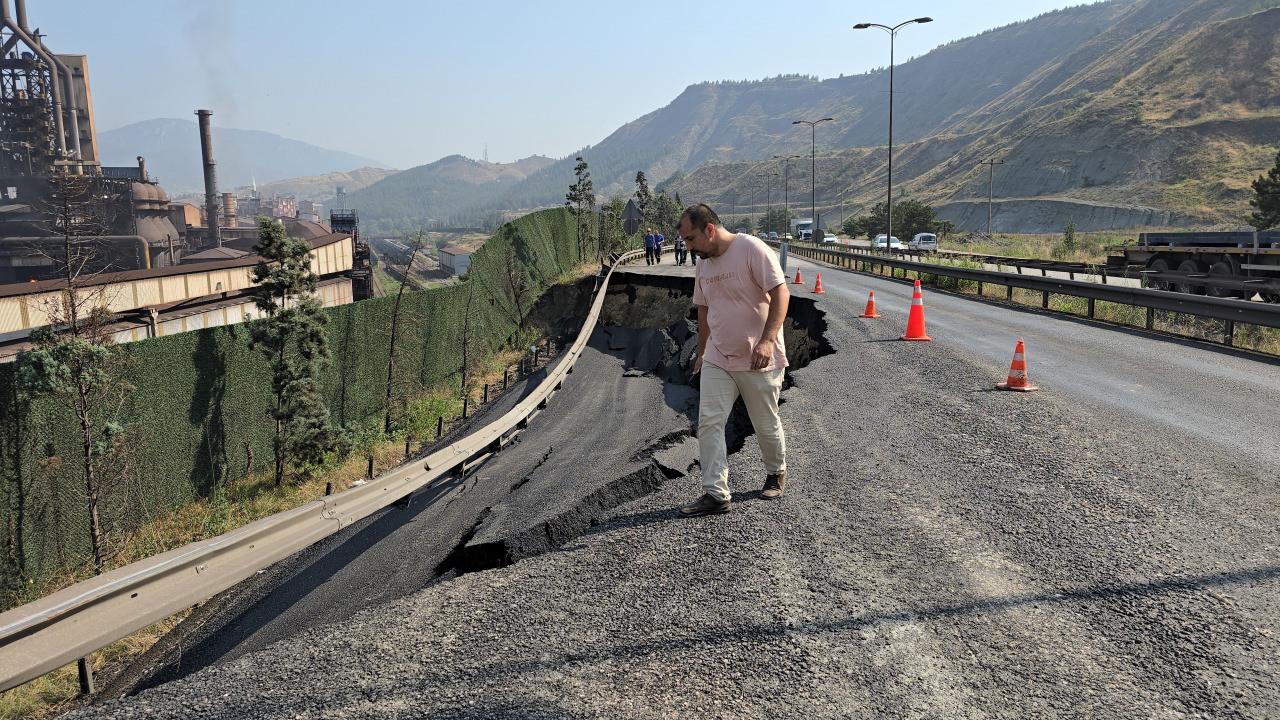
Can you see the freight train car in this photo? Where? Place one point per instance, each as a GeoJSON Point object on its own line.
{"type": "Point", "coordinates": [1221, 264]}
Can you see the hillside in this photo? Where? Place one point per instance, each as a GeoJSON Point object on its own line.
{"type": "Point", "coordinates": [1112, 115]}
{"type": "Point", "coordinates": [1159, 116]}
{"type": "Point", "coordinates": [172, 150]}
{"type": "Point", "coordinates": [433, 194]}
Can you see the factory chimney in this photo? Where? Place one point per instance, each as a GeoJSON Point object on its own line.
{"type": "Point", "coordinates": [142, 169]}
{"type": "Point", "coordinates": [228, 209]}
{"type": "Point", "coordinates": [210, 178]}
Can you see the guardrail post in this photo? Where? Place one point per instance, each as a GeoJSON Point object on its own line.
{"type": "Point", "coordinates": [979, 288]}
{"type": "Point", "coordinates": [86, 676]}
{"type": "Point", "coordinates": [439, 426]}
{"type": "Point", "coordinates": [369, 465]}
{"type": "Point", "coordinates": [1008, 295]}
{"type": "Point", "coordinates": [1044, 299]}
{"type": "Point", "coordinates": [1229, 332]}
{"type": "Point", "coordinates": [504, 378]}
{"type": "Point", "coordinates": [1091, 308]}
{"type": "Point", "coordinates": [407, 440]}
{"type": "Point", "coordinates": [1151, 318]}
{"type": "Point", "coordinates": [486, 393]}
{"type": "Point", "coordinates": [1104, 276]}
{"type": "Point", "coordinates": [465, 400]}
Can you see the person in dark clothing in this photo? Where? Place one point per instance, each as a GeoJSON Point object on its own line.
{"type": "Point", "coordinates": [681, 253]}
{"type": "Point", "coordinates": [659, 242]}
{"type": "Point", "coordinates": [650, 247]}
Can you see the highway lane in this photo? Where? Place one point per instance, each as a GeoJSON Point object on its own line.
{"type": "Point", "coordinates": [1220, 396]}
{"type": "Point", "coordinates": [943, 550]}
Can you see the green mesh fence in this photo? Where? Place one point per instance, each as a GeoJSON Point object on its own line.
{"type": "Point", "coordinates": [198, 413]}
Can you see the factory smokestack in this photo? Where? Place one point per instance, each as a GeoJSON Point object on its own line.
{"type": "Point", "coordinates": [229, 209]}
{"type": "Point", "coordinates": [210, 178]}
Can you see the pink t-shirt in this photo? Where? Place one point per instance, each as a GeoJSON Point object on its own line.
{"type": "Point", "coordinates": [734, 288]}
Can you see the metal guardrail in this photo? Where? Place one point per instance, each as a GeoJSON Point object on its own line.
{"type": "Point", "coordinates": [1230, 311]}
{"type": "Point", "coordinates": [60, 628]}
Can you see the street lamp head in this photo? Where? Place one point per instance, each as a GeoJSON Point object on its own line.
{"type": "Point", "coordinates": [797, 122]}
{"type": "Point", "coordinates": [826, 119]}
{"type": "Point", "coordinates": [862, 26]}
{"type": "Point", "coordinates": [923, 20]}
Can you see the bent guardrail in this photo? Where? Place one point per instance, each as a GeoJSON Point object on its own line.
{"type": "Point", "coordinates": [1228, 310]}
{"type": "Point", "coordinates": [60, 628]}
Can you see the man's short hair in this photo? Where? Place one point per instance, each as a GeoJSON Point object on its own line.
{"type": "Point", "coordinates": [699, 215]}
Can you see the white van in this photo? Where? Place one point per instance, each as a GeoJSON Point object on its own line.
{"type": "Point", "coordinates": [924, 241]}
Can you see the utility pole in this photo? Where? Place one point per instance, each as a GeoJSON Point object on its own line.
{"type": "Point", "coordinates": [991, 168]}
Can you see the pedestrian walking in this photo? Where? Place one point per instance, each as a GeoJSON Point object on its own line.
{"type": "Point", "coordinates": [650, 247]}
{"type": "Point", "coordinates": [681, 252]}
{"type": "Point", "coordinates": [659, 242]}
{"type": "Point", "coordinates": [742, 297]}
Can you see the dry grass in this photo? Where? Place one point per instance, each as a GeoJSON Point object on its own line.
{"type": "Point", "coordinates": [237, 504]}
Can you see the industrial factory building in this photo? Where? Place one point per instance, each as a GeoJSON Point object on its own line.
{"type": "Point", "coordinates": [159, 267]}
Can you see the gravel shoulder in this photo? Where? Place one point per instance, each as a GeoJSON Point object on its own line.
{"type": "Point", "coordinates": [943, 550]}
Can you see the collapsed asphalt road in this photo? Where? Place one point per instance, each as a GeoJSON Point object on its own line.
{"type": "Point", "coordinates": [612, 436]}
{"type": "Point", "coordinates": [944, 550]}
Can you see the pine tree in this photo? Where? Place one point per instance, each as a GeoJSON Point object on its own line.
{"type": "Point", "coordinates": [581, 201]}
{"type": "Point", "coordinates": [1266, 199]}
{"type": "Point", "coordinates": [73, 359]}
{"type": "Point", "coordinates": [290, 333]}
{"type": "Point", "coordinates": [644, 199]}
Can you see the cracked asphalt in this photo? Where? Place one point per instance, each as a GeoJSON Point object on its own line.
{"type": "Point", "coordinates": [1105, 548]}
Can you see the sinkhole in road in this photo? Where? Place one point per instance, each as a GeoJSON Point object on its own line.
{"type": "Point", "coordinates": [649, 326]}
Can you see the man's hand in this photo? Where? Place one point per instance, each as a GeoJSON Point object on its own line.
{"type": "Point", "coordinates": [762, 355]}
{"type": "Point", "coordinates": [697, 366]}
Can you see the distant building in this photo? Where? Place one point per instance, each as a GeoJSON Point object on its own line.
{"type": "Point", "coordinates": [455, 260]}
{"type": "Point", "coordinates": [309, 210]}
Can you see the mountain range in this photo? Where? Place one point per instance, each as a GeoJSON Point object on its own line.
{"type": "Point", "coordinates": [1115, 114]}
{"type": "Point", "coordinates": [447, 192]}
{"type": "Point", "coordinates": [172, 150]}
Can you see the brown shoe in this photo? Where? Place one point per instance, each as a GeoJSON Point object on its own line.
{"type": "Point", "coordinates": [706, 505]}
{"type": "Point", "coordinates": [773, 485]}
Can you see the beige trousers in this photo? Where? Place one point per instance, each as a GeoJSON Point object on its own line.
{"type": "Point", "coordinates": [759, 391]}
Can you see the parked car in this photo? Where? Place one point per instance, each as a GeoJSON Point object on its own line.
{"type": "Point", "coordinates": [924, 241]}
{"type": "Point", "coordinates": [827, 237]}
{"type": "Point", "coordinates": [773, 236]}
{"type": "Point", "coordinates": [879, 243]}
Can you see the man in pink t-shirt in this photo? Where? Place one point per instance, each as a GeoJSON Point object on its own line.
{"type": "Point", "coordinates": [742, 298]}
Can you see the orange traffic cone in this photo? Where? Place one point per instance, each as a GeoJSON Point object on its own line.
{"type": "Point", "coordinates": [1018, 372]}
{"type": "Point", "coordinates": [870, 312]}
{"type": "Point", "coordinates": [915, 320]}
{"type": "Point", "coordinates": [799, 280]}
{"type": "Point", "coordinates": [817, 285]}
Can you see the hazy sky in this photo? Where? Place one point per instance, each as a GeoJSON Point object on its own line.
{"type": "Point", "coordinates": [409, 82]}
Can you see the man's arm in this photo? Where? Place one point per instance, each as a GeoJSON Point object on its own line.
{"type": "Point", "coordinates": [704, 332]}
{"type": "Point", "coordinates": [779, 299]}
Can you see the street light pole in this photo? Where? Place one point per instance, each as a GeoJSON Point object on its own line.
{"type": "Point", "coordinates": [813, 174]}
{"type": "Point", "coordinates": [768, 191]}
{"type": "Point", "coordinates": [786, 187]}
{"type": "Point", "coordinates": [893, 33]}
{"type": "Point", "coordinates": [991, 169]}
